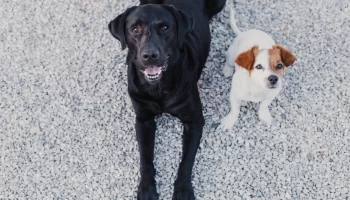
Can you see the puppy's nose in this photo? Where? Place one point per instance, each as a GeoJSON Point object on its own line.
{"type": "Point", "coordinates": [273, 79]}
{"type": "Point", "coordinates": [150, 54]}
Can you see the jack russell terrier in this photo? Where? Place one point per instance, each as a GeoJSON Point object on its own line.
{"type": "Point", "coordinates": [260, 65]}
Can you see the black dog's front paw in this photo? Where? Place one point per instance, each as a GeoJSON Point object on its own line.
{"type": "Point", "coordinates": [183, 192]}
{"type": "Point", "coordinates": [147, 191]}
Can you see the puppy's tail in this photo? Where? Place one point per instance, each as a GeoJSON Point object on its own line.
{"type": "Point", "coordinates": [233, 22]}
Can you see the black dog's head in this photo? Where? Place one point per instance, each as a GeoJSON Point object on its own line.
{"type": "Point", "coordinates": [153, 34]}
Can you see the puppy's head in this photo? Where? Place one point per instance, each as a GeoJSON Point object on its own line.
{"type": "Point", "coordinates": [152, 33]}
{"type": "Point", "coordinates": [266, 66]}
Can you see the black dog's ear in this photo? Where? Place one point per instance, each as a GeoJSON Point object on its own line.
{"type": "Point", "coordinates": [184, 23]}
{"type": "Point", "coordinates": [117, 27]}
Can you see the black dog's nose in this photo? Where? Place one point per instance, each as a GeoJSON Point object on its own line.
{"type": "Point", "coordinates": [273, 79]}
{"type": "Point", "coordinates": [150, 54]}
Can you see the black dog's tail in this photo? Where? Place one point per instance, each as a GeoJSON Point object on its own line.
{"type": "Point", "coordinates": [214, 6]}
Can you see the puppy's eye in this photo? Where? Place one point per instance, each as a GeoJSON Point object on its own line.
{"type": "Point", "coordinates": [164, 28]}
{"type": "Point", "coordinates": [279, 66]}
{"type": "Point", "coordinates": [258, 67]}
{"type": "Point", "coordinates": [136, 30]}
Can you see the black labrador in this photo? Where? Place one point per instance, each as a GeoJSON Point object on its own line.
{"type": "Point", "coordinates": [168, 43]}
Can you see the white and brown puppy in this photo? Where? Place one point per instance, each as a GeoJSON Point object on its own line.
{"type": "Point", "coordinates": [259, 69]}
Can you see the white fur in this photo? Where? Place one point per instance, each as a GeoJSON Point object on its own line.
{"type": "Point", "coordinates": [253, 87]}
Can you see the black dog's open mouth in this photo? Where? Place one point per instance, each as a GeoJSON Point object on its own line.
{"type": "Point", "coordinates": [154, 73]}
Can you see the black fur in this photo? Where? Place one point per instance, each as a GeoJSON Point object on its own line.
{"type": "Point", "coordinates": [179, 31]}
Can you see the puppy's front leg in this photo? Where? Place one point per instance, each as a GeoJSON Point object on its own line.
{"type": "Point", "coordinates": [191, 138]}
{"type": "Point", "coordinates": [231, 118]}
{"type": "Point", "coordinates": [264, 113]}
{"type": "Point", "coordinates": [145, 133]}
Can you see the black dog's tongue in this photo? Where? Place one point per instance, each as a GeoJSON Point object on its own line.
{"type": "Point", "coordinates": [153, 70]}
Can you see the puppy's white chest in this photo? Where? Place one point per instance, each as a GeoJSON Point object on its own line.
{"type": "Point", "coordinates": [247, 91]}
{"type": "Point", "coordinates": [254, 95]}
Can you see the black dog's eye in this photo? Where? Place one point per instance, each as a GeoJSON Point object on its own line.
{"type": "Point", "coordinates": [164, 28]}
{"type": "Point", "coordinates": [279, 66]}
{"type": "Point", "coordinates": [258, 66]}
{"type": "Point", "coordinates": [136, 30]}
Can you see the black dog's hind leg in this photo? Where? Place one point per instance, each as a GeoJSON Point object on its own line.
{"type": "Point", "coordinates": [150, 2]}
{"type": "Point", "coordinates": [145, 133]}
{"type": "Point", "coordinates": [214, 6]}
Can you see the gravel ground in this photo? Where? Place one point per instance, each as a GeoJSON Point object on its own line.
{"type": "Point", "coordinates": [66, 121]}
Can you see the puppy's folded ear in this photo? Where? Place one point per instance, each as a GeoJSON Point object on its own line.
{"type": "Point", "coordinates": [287, 57]}
{"type": "Point", "coordinates": [117, 27]}
{"type": "Point", "coordinates": [247, 58]}
{"type": "Point", "coordinates": [184, 23]}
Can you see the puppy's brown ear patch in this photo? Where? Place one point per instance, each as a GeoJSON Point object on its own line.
{"type": "Point", "coordinates": [247, 58]}
{"type": "Point", "coordinates": [287, 57]}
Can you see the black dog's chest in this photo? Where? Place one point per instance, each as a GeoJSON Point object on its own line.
{"type": "Point", "coordinates": [165, 99]}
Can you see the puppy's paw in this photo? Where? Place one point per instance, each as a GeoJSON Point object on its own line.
{"type": "Point", "coordinates": [147, 190]}
{"type": "Point", "coordinates": [265, 116]}
{"type": "Point", "coordinates": [227, 71]}
{"type": "Point", "coordinates": [228, 121]}
{"type": "Point", "coordinates": [183, 192]}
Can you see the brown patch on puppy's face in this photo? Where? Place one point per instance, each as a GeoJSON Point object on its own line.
{"type": "Point", "coordinates": [276, 64]}
{"type": "Point", "coordinates": [280, 58]}
{"type": "Point", "coordinates": [247, 58]}
{"type": "Point", "coordinates": [287, 57]}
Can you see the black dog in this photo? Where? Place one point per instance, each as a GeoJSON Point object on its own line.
{"type": "Point", "coordinates": [168, 45]}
